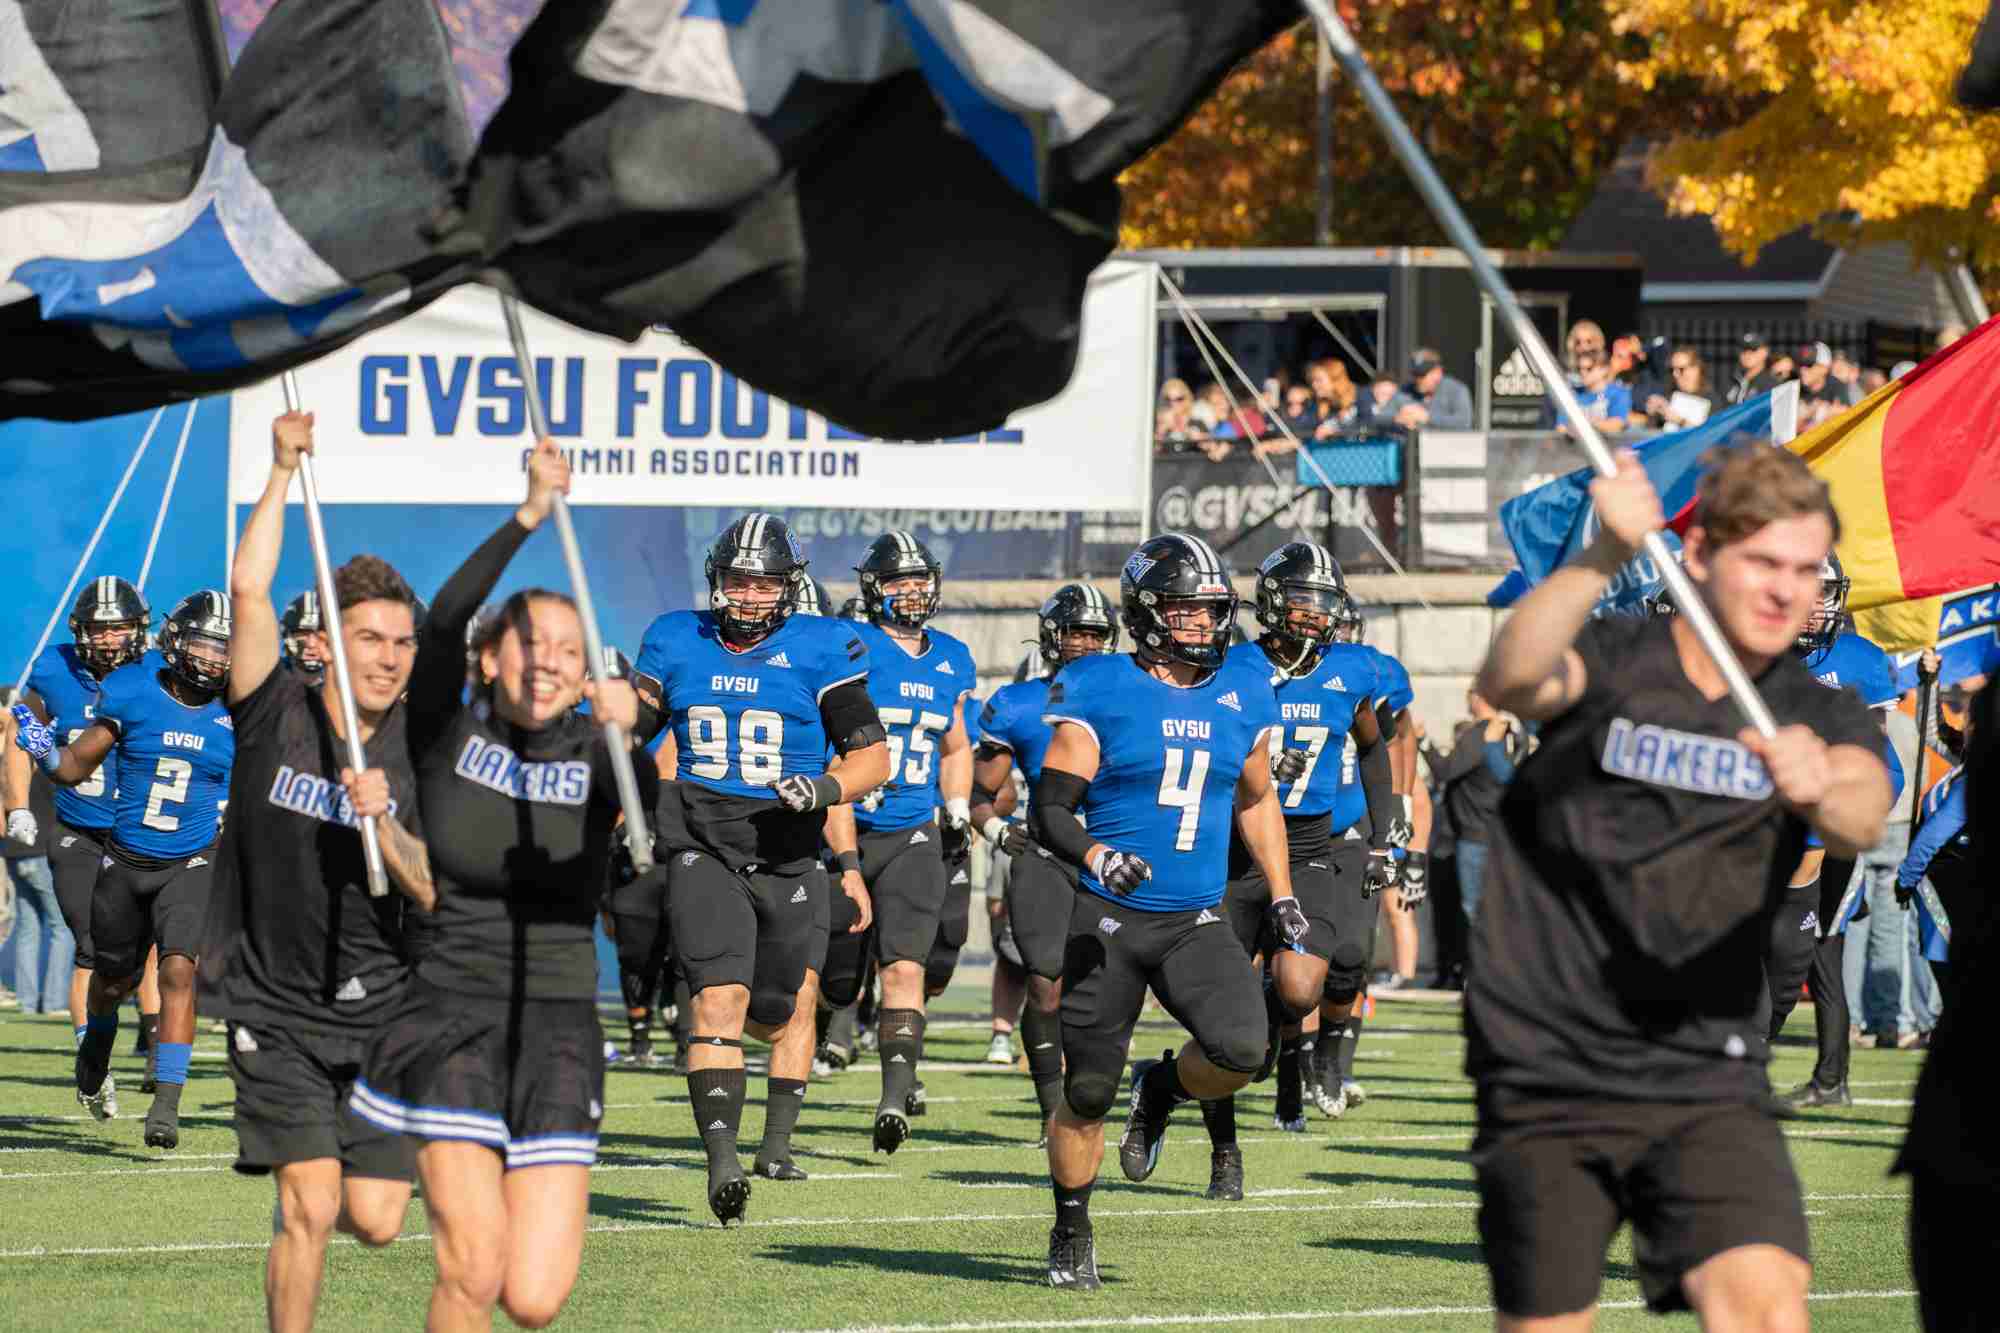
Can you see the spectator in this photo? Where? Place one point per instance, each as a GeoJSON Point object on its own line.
{"type": "Point", "coordinates": [1689, 400]}
{"type": "Point", "coordinates": [1949, 334]}
{"type": "Point", "coordinates": [1175, 429]}
{"type": "Point", "coordinates": [1474, 776]}
{"type": "Point", "coordinates": [1893, 1002]}
{"type": "Point", "coordinates": [1438, 400]}
{"type": "Point", "coordinates": [1784, 366]}
{"type": "Point", "coordinates": [1753, 369]}
{"type": "Point", "coordinates": [1820, 398]}
{"type": "Point", "coordinates": [1847, 375]}
{"type": "Point", "coordinates": [1334, 396]}
{"type": "Point", "coordinates": [1605, 401]}
{"type": "Point", "coordinates": [1585, 344]}
{"type": "Point", "coordinates": [1300, 414]}
{"type": "Point", "coordinates": [1639, 363]}
{"type": "Point", "coordinates": [1872, 379]}
{"type": "Point", "coordinates": [43, 949]}
{"type": "Point", "coordinates": [1211, 406]}
{"type": "Point", "coordinates": [1386, 401]}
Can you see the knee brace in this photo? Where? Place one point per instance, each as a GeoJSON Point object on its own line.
{"type": "Point", "coordinates": [1090, 1082]}
{"type": "Point", "coordinates": [938, 968]}
{"type": "Point", "coordinates": [770, 1008]}
{"type": "Point", "coordinates": [1239, 1052]}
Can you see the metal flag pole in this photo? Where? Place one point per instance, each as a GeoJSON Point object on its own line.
{"type": "Point", "coordinates": [593, 642]}
{"type": "Point", "coordinates": [89, 549]}
{"type": "Point", "coordinates": [329, 617]}
{"type": "Point", "coordinates": [167, 496]}
{"type": "Point", "coordinates": [1529, 339]}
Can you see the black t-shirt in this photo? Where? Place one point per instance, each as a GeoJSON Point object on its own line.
{"type": "Point", "coordinates": [1632, 872]}
{"type": "Point", "coordinates": [519, 823]}
{"type": "Point", "coordinates": [306, 946]}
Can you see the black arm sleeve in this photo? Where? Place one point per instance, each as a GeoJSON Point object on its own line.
{"type": "Point", "coordinates": [1054, 814]}
{"type": "Point", "coordinates": [1378, 787]}
{"type": "Point", "coordinates": [437, 682]}
{"type": "Point", "coordinates": [652, 721]}
{"type": "Point", "coordinates": [849, 717]}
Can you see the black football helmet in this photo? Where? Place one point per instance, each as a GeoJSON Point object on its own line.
{"type": "Point", "coordinates": [1301, 577]}
{"type": "Point", "coordinates": [1348, 626]}
{"type": "Point", "coordinates": [855, 609]}
{"type": "Point", "coordinates": [302, 617]}
{"type": "Point", "coordinates": [755, 544]}
{"type": "Point", "coordinates": [1074, 606]}
{"type": "Point", "coordinates": [1177, 568]}
{"type": "Point", "coordinates": [202, 616]}
{"type": "Point", "coordinates": [812, 599]}
{"type": "Point", "coordinates": [1829, 616]}
{"type": "Point", "coordinates": [892, 556]}
{"type": "Point", "coordinates": [108, 607]}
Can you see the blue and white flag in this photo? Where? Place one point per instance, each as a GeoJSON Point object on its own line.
{"type": "Point", "coordinates": [1968, 639]}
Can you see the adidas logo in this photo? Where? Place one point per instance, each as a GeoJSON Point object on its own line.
{"type": "Point", "coordinates": [1231, 702]}
{"type": "Point", "coordinates": [897, 1059]}
{"type": "Point", "coordinates": [917, 837]}
{"type": "Point", "coordinates": [1043, 1045]}
{"type": "Point", "coordinates": [1517, 379]}
{"type": "Point", "coordinates": [1317, 865]}
{"type": "Point", "coordinates": [1207, 918]}
{"type": "Point", "coordinates": [1335, 684]}
{"type": "Point", "coordinates": [195, 861]}
{"type": "Point", "coordinates": [245, 1043]}
{"type": "Point", "coordinates": [596, 1109]}
{"type": "Point", "coordinates": [959, 877]}
{"type": "Point", "coordinates": [718, 1125]}
{"type": "Point", "coordinates": [906, 1031]}
{"type": "Point", "coordinates": [717, 1092]}
{"type": "Point", "coordinates": [69, 842]}
{"type": "Point", "coordinates": [800, 896]}
{"type": "Point", "coordinates": [944, 668]}
{"type": "Point", "coordinates": [1811, 922]}
{"type": "Point", "coordinates": [778, 659]}
{"type": "Point", "coordinates": [351, 989]}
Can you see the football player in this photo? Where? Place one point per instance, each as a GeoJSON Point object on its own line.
{"type": "Point", "coordinates": [1156, 753]}
{"type": "Point", "coordinates": [919, 678]}
{"type": "Point", "coordinates": [302, 634]}
{"type": "Point", "coordinates": [174, 745]}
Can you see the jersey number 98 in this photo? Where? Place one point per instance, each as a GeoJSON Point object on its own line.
{"type": "Point", "coordinates": [760, 744]}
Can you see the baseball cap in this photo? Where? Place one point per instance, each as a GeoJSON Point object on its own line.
{"type": "Point", "coordinates": [1813, 354]}
{"type": "Point", "coordinates": [1423, 365]}
{"type": "Point", "coordinates": [1753, 340]}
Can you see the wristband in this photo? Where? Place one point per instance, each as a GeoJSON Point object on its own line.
{"type": "Point", "coordinates": [1409, 808]}
{"type": "Point", "coordinates": [50, 760]}
{"type": "Point", "coordinates": [959, 809]}
{"type": "Point", "coordinates": [846, 861]}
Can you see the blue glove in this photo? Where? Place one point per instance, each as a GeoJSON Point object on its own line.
{"type": "Point", "coordinates": [36, 737]}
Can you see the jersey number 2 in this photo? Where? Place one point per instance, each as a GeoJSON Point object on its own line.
{"type": "Point", "coordinates": [1173, 792]}
{"type": "Point", "coordinates": [170, 783]}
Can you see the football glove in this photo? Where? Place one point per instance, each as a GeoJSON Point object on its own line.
{"type": "Point", "coordinates": [1006, 837]}
{"type": "Point", "coordinates": [1414, 883]}
{"type": "Point", "coordinates": [1401, 830]}
{"type": "Point", "coordinates": [1121, 872]}
{"type": "Point", "coordinates": [35, 736]}
{"type": "Point", "coordinates": [1290, 765]}
{"type": "Point", "coordinates": [954, 838]}
{"type": "Point", "coordinates": [22, 828]}
{"type": "Point", "coordinates": [873, 800]}
{"type": "Point", "coordinates": [1288, 922]}
{"type": "Point", "coordinates": [1381, 873]}
{"type": "Point", "coordinates": [801, 793]}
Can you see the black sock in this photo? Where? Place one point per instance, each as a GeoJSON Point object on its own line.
{"type": "Point", "coordinates": [641, 1025]}
{"type": "Point", "coordinates": [1041, 1038]}
{"type": "Point", "coordinates": [901, 1032]}
{"type": "Point", "coordinates": [1073, 1206]}
{"type": "Point", "coordinates": [1348, 1041]}
{"type": "Point", "coordinates": [717, 1096]}
{"type": "Point", "coordinates": [1220, 1117]}
{"type": "Point", "coordinates": [149, 1035]}
{"type": "Point", "coordinates": [783, 1100]}
{"type": "Point", "coordinates": [1309, 1055]}
{"type": "Point", "coordinates": [93, 1057]}
{"type": "Point", "coordinates": [1326, 1054]}
{"type": "Point", "coordinates": [840, 1028]}
{"type": "Point", "coordinates": [167, 1098]}
{"type": "Point", "coordinates": [1290, 1090]}
{"type": "Point", "coordinates": [1163, 1085]}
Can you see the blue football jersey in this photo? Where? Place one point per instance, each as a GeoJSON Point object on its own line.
{"type": "Point", "coordinates": [742, 721]}
{"type": "Point", "coordinates": [1392, 681]}
{"type": "Point", "coordinates": [1168, 763]}
{"type": "Point", "coordinates": [1012, 719]}
{"type": "Point", "coordinates": [1315, 713]}
{"type": "Point", "coordinates": [1850, 662]}
{"type": "Point", "coordinates": [915, 697]}
{"type": "Point", "coordinates": [69, 694]}
{"type": "Point", "coordinates": [173, 763]}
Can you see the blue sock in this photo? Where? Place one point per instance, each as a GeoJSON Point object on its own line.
{"type": "Point", "coordinates": [174, 1057]}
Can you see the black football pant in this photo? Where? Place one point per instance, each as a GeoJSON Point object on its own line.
{"type": "Point", "coordinates": [1797, 955]}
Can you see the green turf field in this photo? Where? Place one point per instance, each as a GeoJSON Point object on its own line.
{"type": "Point", "coordinates": [1368, 1219]}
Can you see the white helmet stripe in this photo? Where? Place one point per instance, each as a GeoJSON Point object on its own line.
{"type": "Point", "coordinates": [107, 591]}
{"type": "Point", "coordinates": [753, 530]}
{"type": "Point", "coordinates": [1204, 556]}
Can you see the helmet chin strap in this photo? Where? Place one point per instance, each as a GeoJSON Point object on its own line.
{"type": "Point", "coordinates": [1297, 664]}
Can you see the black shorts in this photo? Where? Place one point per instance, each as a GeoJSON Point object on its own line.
{"type": "Point", "coordinates": [1354, 919]}
{"type": "Point", "coordinates": [906, 882]}
{"type": "Point", "coordinates": [1247, 903]}
{"type": "Point", "coordinates": [76, 858]}
{"type": "Point", "coordinates": [753, 929]}
{"type": "Point", "coordinates": [136, 906]}
{"type": "Point", "coordinates": [291, 1104]}
{"type": "Point", "coordinates": [1190, 959]}
{"type": "Point", "coordinates": [523, 1077]}
{"type": "Point", "coordinates": [1041, 894]}
{"type": "Point", "coordinates": [819, 883]}
{"type": "Point", "coordinates": [1558, 1177]}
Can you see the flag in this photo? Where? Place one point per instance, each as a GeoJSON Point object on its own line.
{"type": "Point", "coordinates": [267, 218]}
{"type": "Point", "coordinates": [1915, 474]}
{"type": "Point", "coordinates": [1552, 523]}
{"type": "Point", "coordinates": [886, 211]}
{"type": "Point", "coordinates": [1967, 639]}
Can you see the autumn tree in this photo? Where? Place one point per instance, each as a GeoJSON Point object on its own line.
{"type": "Point", "coordinates": [1521, 104]}
{"type": "Point", "coordinates": [1848, 121]}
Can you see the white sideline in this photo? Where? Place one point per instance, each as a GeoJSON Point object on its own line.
{"type": "Point", "coordinates": [1283, 1316]}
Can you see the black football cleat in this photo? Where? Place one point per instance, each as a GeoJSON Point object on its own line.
{"type": "Point", "coordinates": [1145, 1126]}
{"type": "Point", "coordinates": [1072, 1260]}
{"type": "Point", "coordinates": [915, 1101]}
{"type": "Point", "coordinates": [729, 1197]}
{"type": "Point", "coordinates": [892, 1129]}
{"type": "Point", "coordinates": [1225, 1175]}
{"type": "Point", "coordinates": [780, 1168]}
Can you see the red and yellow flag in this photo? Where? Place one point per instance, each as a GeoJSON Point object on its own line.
{"type": "Point", "coordinates": [1915, 474]}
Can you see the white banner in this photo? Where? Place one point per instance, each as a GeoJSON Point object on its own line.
{"type": "Point", "coordinates": [431, 410]}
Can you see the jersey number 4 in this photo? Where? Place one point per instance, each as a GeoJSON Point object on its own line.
{"type": "Point", "coordinates": [170, 786]}
{"type": "Point", "coordinates": [1185, 795]}
{"type": "Point", "coordinates": [922, 743]}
